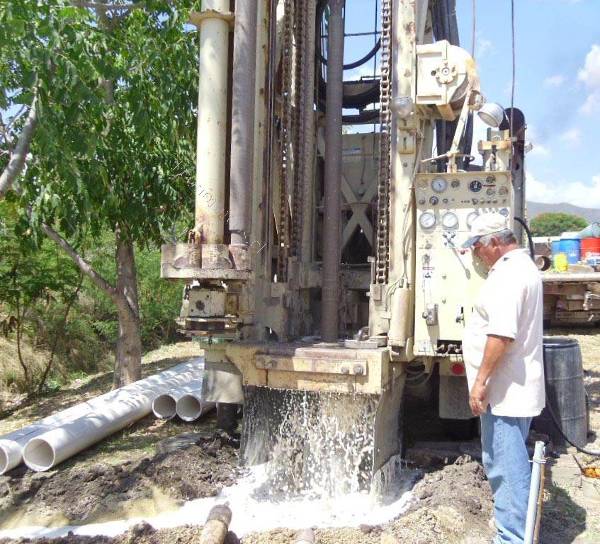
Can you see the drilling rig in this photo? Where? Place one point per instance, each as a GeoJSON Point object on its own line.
{"type": "Point", "coordinates": [324, 261]}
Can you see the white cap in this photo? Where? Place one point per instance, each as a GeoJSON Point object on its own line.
{"type": "Point", "coordinates": [484, 224]}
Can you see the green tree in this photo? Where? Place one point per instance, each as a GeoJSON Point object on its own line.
{"type": "Point", "coordinates": [33, 283]}
{"type": "Point", "coordinates": [554, 224]}
{"type": "Point", "coordinates": [101, 103]}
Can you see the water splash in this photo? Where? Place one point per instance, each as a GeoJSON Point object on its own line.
{"type": "Point", "coordinates": [315, 444]}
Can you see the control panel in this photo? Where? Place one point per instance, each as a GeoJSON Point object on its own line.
{"type": "Point", "coordinates": [447, 278]}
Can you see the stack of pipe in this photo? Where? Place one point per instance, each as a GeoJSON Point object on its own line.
{"type": "Point", "coordinates": [185, 402]}
{"type": "Point", "coordinates": [53, 439]}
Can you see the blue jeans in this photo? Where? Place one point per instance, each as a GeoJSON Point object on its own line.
{"type": "Point", "coordinates": [507, 466]}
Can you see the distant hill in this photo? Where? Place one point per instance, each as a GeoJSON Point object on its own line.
{"type": "Point", "coordinates": [536, 208]}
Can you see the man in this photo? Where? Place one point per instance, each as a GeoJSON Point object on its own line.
{"type": "Point", "coordinates": [503, 353]}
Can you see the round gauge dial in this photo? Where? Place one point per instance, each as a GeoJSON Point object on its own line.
{"type": "Point", "coordinates": [502, 190]}
{"type": "Point", "coordinates": [471, 217]}
{"type": "Point", "coordinates": [450, 220]}
{"type": "Point", "coordinates": [455, 184]}
{"type": "Point", "coordinates": [475, 186]}
{"type": "Point", "coordinates": [439, 185]}
{"type": "Point", "coordinates": [433, 200]}
{"type": "Point", "coordinates": [504, 212]}
{"type": "Point", "coordinates": [427, 220]}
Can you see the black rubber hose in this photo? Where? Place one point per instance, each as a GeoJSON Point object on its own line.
{"type": "Point", "coordinates": [358, 62]}
{"type": "Point", "coordinates": [560, 431]}
{"type": "Point", "coordinates": [358, 101]}
{"type": "Point", "coordinates": [529, 237]}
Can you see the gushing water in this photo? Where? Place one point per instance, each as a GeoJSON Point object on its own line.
{"type": "Point", "coordinates": [313, 460]}
{"type": "Point", "coordinates": [315, 444]}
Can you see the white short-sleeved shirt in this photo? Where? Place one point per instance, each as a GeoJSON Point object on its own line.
{"type": "Point", "coordinates": [510, 304]}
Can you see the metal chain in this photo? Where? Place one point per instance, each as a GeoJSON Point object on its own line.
{"type": "Point", "coordinates": [286, 169]}
{"type": "Point", "coordinates": [383, 187]}
{"type": "Point", "coordinates": [300, 77]}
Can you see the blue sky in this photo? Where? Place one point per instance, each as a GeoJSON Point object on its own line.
{"type": "Point", "coordinates": [557, 84]}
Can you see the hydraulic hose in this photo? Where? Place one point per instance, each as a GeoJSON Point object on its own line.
{"type": "Point", "coordinates": [564, 436]}
{"type": "Point", "coordinates": [358, 62]}
{"type": "Point", "coordinates": [529, 237]}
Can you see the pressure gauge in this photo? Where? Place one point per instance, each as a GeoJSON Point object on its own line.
{"type": "Point", "coordinates": [427, 220]}
{"type": "Point", "coordinates": [449, 220]}
{"type": "Point", "coordinates": [439, 185]}
{"type": "Point", "coordinates": [504, 212]}
{"type": "Point", "coordinates": [471, 217]}
{"type": "Point", "coordinates": [455, 183]}
{"type": "Point", "coordinates": [475, 186]}
{"type": "Point", "coordinates": [502, 190]}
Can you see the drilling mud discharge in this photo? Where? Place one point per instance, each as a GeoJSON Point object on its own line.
{"type": "Point", "coordinates": [315, 457]}
{"type": "Point", "coordinates": [313, 444]}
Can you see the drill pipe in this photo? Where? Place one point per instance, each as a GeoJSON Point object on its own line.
{"type": "Point", "coordinates": [242, 121]}
{"type": "Point", "coordinates": [333, 166]}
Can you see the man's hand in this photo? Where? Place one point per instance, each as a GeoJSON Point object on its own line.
{"type": "Point", "coordinates": [477, 399]}
{"type": "Point", "coordinates": [495, 349]}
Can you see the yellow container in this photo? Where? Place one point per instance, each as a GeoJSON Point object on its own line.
{"type": "Point", "coordinates": [561, 262]}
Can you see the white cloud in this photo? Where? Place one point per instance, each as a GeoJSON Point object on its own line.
{"type": "Point", "coordinates": [571, 136]}
{"type": "Point", "coordinates": [539, 150]}
{"type": "Point", "coordinates": [591, 104]}
{"type": "Point", "coordinates": [585, 195]}
{"type": "Point", "coordinates": [590, 76]}
{"type": "Point", "coordinates": [482, 47]}
{"type": "Point", "coordinates": [554, 81]}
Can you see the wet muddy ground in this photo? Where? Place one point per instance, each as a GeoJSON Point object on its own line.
{"type": "Point", "coordinates": [156, 466]}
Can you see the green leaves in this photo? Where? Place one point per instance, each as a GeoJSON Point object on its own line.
{"type": "Point", "coordinates": [554, 224]}
{"type": "Point", "coordinates": [115, 137]}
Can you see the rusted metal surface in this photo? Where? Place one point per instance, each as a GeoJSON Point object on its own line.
{"type": "Point", "coordinates": [333, 167]}
{"type": "Point", "coordinates": [314, 367]}
{"type": "Point", "coordinates": [209, 261]}
{"type": "Point", "coordinates": [349, 367]}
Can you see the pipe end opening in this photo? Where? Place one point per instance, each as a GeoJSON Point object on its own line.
{"type": "Point", "coordinates": [39, 455]}
{"type": "Point", "coordinates": [164, 406]}
{"type": "Point", "coordinates": [189, 408]}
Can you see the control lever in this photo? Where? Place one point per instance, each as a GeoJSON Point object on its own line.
{"type": "Point", "coordinates": [448, 236]}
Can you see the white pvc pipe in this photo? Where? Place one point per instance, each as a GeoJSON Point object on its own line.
{"type": "Point", "coordinates": [191, 406]}
{"type": "Point", "coordinates": [12, 444]}
{"type": "Point", "coordinates": [49, 449]}
{"type": "Point", "coordinates": [165, 406]}
{"type": "Point", "coordinates": [534, 491]}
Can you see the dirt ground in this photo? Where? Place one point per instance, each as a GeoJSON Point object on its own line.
{"type": "Point", "coordinates": [146, 469]}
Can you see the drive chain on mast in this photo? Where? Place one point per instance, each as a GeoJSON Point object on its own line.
{"type": "Point", "coordinates": [286, 141]}
{"type": "Point", "coordinates": [300, 96]}
{"type": "Point", "coordinates": [383, 187]}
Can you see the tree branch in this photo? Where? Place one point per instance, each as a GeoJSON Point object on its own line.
{"type": "Point", "coordinates": [81, 263]}
{"type": "Point", "coordinates": [106, 7]}
{"type": "Point", "coordinates": [17, 160]}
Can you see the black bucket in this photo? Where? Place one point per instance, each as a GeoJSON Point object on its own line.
{"type": "Point", "coordinates": [565, 392]}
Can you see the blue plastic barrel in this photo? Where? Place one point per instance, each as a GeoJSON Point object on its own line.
{"type": "Point", "coordinates": [571, 247]}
